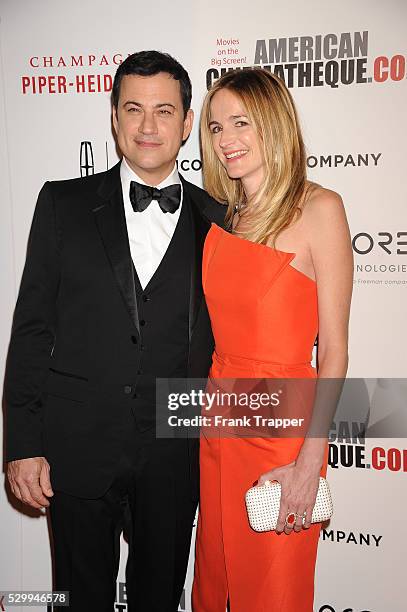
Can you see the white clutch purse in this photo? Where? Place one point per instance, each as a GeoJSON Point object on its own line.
{"type": "Point", "coordinates": [263, 505]}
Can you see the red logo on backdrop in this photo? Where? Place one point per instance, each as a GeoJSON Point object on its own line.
{"type": "Point", "coordinates": [393, 459]}
{"type": "Point", "coordinates": [346, 455]}
{"type": "Point", "coordinates": [70, 74]}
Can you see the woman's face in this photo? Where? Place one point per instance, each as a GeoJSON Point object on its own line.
{"type": "Point", "coordinates": [235, 140]}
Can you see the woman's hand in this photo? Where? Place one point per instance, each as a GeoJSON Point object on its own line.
{"type": "Point", "coordinates": [299, 487]}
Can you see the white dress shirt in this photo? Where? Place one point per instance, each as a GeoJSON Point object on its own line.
{"type": "Point", "coordinates": [150, 231]}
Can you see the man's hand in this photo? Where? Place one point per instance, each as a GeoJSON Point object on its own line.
{"type": "Point", "coordinates": [29, 481]}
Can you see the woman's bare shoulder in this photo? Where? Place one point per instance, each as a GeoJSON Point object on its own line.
{"type": "Point", "coordinates": [322, 205]}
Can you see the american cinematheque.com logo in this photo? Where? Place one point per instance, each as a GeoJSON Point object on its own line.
{"type": "Point", "coordinates": [370, 416]}
{"type": "Point", "coordinates": [329, 60]}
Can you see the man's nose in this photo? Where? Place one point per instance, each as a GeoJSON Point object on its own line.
{"type": "Point", "coordinates": [149, 124]}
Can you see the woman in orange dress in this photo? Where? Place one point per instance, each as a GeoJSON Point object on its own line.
{"type": "Point", "coordinates": [279, 277]}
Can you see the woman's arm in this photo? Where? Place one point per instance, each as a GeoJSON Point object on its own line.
{"type": "Point", "coordinates": [328, 237]}
{"type": "Point", "coordinates": [331, 251]}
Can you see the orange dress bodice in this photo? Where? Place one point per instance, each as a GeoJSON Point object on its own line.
{"type": "Point", "coordinates": [262, 309]}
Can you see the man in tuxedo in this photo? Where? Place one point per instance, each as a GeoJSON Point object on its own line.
{"type": "Point", "coordinates": [111, 298]}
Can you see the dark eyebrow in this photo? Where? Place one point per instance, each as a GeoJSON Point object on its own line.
{"type": "Point", "coordinates": [165, 104]}
{"type": "Point", "coordinates": [160, 105]}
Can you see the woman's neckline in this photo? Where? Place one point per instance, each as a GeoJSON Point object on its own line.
{"type": "Point", "coordinates": [270, 248]}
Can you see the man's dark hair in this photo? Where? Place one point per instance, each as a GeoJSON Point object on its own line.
{"type": "Point", "coordinates": [150, 63]}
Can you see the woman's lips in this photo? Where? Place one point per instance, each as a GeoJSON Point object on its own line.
{"type": "Point", "coordinates": [233, 155]}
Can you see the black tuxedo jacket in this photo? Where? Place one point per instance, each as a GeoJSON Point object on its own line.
{"type": "Point", "coordinates": [70, 355]}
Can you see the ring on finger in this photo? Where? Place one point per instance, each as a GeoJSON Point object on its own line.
{"type": "Point", "coordinates": [290, 519]}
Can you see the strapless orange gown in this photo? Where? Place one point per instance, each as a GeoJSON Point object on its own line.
{"type": "Point", "coordinates": [264, 318]}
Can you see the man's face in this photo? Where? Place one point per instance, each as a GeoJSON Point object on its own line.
{"type": "Point", "coordinates": [149, 124]}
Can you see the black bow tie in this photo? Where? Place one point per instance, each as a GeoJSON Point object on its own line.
{"type": "Point", "coordinates": [141, 196]}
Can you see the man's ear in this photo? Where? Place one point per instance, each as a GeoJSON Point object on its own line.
{"type": "Point", "coordinates": [188, 122]}
{"type": "Point", "coordinates": [114, 119]}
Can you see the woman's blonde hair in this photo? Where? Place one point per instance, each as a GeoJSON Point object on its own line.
{"type": "Point", "coordinates": [271, 109]}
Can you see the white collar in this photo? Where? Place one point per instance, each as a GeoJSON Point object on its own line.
{"type": "Point", "coordinates": [127, 174]}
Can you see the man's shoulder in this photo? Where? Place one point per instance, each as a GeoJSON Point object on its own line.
{"type": "Point", "coordinates": [195, 192]}
{"type": "Point", "coordinates": [83, 186]}
{"type": "Point", "coordinates": [209, 207]}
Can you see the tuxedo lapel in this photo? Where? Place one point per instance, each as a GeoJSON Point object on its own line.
{"type": "Point", "coordinates": [200, 227]}
{"type": "Point", "coordinates": [111, 223]}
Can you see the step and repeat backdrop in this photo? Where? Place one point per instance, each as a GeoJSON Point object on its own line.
{"type": "Point", "coordinates": [345, 64]}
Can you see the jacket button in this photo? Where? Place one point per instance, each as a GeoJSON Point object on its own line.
{"type": "Point", "coordinates": [134, 339]}
{"type": "Point", "coordinates": [145, 298]}
{"type": "Point", "coordinates": [142, 322]}
{"type": "Point", "coordinates": [142, 347]}
{"type": "Point", "coordinates": [139, 371]}
{"type": "Point", "coordinates": [127, 389]}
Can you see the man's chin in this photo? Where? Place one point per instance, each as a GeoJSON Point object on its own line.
{"type": "Point", "coordinates": [150, 167]}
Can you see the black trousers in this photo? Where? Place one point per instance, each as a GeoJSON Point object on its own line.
{"type": "Point", "coordinates": [151, 496]}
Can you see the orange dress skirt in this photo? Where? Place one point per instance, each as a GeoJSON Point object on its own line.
{"type": "Point", "coordinates": [264, 318]}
